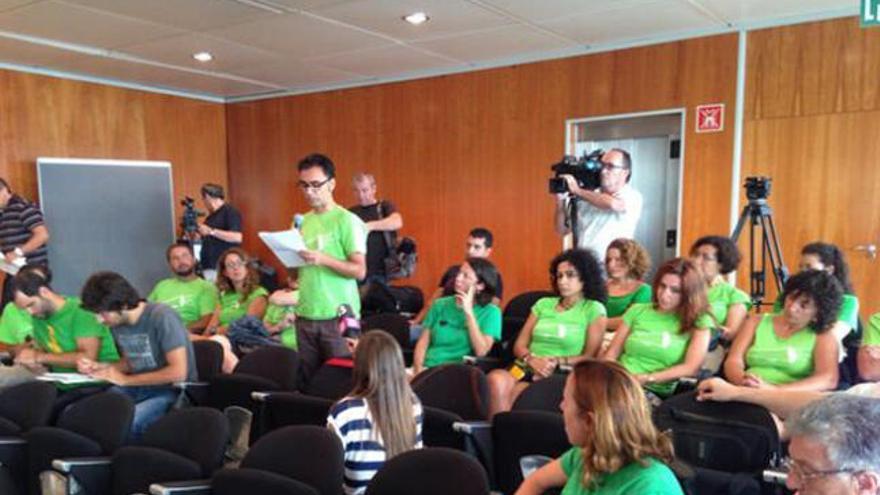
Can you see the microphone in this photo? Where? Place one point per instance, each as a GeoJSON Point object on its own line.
{"type": "Point", "coordinates": [297, 221]}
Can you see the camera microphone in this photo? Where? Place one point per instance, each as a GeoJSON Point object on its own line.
{"type": "Point", "coordinates": [297, 221]}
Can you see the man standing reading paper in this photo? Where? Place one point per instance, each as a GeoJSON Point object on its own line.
{"type": "Point", "coordinates": [336, 242]}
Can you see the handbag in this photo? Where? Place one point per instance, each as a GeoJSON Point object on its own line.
{"type": "Point", "coordinates": [402, 257]}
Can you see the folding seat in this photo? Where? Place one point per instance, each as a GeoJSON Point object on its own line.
{"type": "Point", "coordinates": [440, 471]}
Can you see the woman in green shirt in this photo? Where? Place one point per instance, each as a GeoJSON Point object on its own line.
{"type": "Point", "coordinates": [717, 257]}
{"type": "Point", "coordinates": [240, 295]}
{"type": "Point", "coordinates": [829, 258]}
{"type": "Point", "coordinates": [668, 339]}
{"type": "Point", "coordinates": [869, 352]}
{"type": "Point", "coordinates": [616, 450]}
{"type": "Point", "coordinates": [626, 263]}
{"type": "Point", "coordinates": [565, 329]}
{"type": "Point", "coordinates": [793, 349]}
{"type": "Point", "coordinates": [463, 324]}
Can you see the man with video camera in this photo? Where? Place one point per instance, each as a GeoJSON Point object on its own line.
{"type": "Point", "coordinates": [220, 231]}
{"type": "Point", "coordinates": [603, 214]}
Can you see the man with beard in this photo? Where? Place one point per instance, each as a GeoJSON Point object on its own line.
{"type": "Point", "coordinates": [191, 296]}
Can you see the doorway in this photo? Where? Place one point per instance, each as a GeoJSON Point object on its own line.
{"type": "Point", "coordinates": [654, 141]}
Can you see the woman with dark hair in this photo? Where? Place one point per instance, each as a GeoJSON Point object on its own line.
{"type": "Point", "coordinates": [717, 257]}
{"type": "Point", "coordinates": [565, 329]}
{"type": "Point", "coordinates": [463, 324]}
{"type": "Point", "coordinates": [793, 349]}
{"type": "Point", "coordinates": [615, 447]}
{"type": "Point", "coordinates": [626, 263]}
{"type": "Point", "coordinates": [381, 417]}
{"type": "Point", "coordinates": [669, 338]}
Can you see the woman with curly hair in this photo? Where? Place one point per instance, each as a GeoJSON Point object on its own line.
{"type": "Point", "coordinates": [669, 338]}
{"type": "Point", "coordinates": [793, 349]}
{"type": "Point", "coordinates": [716, 257]}
{"type": "Point", "coordinates": [564, 329]}
{"type": "Point", "coordinates": [626, 263]}
{"type": "Point", "coordinates": [615, 446]}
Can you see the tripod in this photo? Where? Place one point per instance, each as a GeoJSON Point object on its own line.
{"type": "Point", "coordinates": [759, 214]}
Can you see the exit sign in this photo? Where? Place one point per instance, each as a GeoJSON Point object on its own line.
{"type": "Point", "coordinates": [870, 13]}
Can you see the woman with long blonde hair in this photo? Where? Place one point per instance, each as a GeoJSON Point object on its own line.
{"type": "Point", "coordinates": [615, 447]}
{"type": "Point", "coordinates": [381, 417]}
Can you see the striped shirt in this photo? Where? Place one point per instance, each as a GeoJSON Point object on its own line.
{"type": "Point", "coordinates": [18, 219]}
{"type": "Point", "coordinates": [351, 420]}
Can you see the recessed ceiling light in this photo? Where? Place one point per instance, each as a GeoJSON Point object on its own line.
{"type": "Point", "coordinates": [203, 56]}
{"type": "Point", "coordinates": [416, 18]}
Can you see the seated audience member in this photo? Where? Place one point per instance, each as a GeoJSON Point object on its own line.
{"type": "Point", "coordinates": [869, 352]}
{"type": "Point", "coordinates": [193, 297]}
{"type": "Point", "coordinates": [16, 327]}
{"type": "Point", "coordinates": [565, 329]}
{"type": "Point", "coordinates": [466, 323]}
{"type": "Point", "coordinates": [781, 402]}
{"type": "Point", "coordinates": [153, 342]}
{"type": "Point", "coordinates": [280, 318]}
{"type": "Point", "coordinates": [829, 258]}
{"type": "Point", "coordinates": [669, 338]}
{"type": "Point", "coordinates": [626, 263]}
{"type": "Point", "coordinates": [478, 245]}
{"type": "Point", "coordinates": [835, 448]}
{"type": "Point", "coordinates": [63, 331]}
{"type": "Point", "coordinates": [717, 257]}
{"type": "Point", "coordinates": [615, 446]}
{"type": "Point", "coordinates": [381, 417]}
{"type": "Point", "coordinates": [793, 349]}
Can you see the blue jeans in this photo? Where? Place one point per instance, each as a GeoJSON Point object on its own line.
{"type": "Point", "coordinates": [150, 404]}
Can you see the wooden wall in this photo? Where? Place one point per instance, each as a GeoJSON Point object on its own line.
{"type": "Point", "coordinates": [46, 116]}
{"type": "Point", "coordinates": [473, 149]}
{"type": "Point", "coordinates": [812, 122]}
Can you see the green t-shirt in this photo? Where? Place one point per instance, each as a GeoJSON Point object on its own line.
{"type": "Point", "coordinates": [634, 478]}
{"type": "Point", "coordinates": [58, 333]}
{"type": "Point", "coordinates": [655, 343]}
{"type": "Point", "coordinates": [449, 333]}
{"type": "Point", "coordinates": [191, 299]}
{"type": "Point", "coordinates": [565, 333]}
{"type": "Point", "coordinates": [274, 314]}
{"type": "Point", "coordinates": [617, 305]}
{"type": "Point", "coordinates": [721, 297]}
{"type": "Point", "coordinates": [849, 310]}
{"type": "Point", "coordinates": [777, 360]}
{"type": "Point", "coordinates": [16, 325]}
{"type": "Point", "coordinates": [338, 233]}
{"type": "Point", "coordinates": [233, 308]}
{"type": "Point", "coordinates": [872, 331]}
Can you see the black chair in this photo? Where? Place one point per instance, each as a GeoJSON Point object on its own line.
{"type": "Point", "coordinates": [514, 316]}
{"type": "Point", "coordinates": [395, 324]}
{"type": "Point", "coordinates": [309, 455]}
{"type": "Point", "coordinates": [457, 388]}
{"type": "Point", "coordinates": [94, 426]}
{"type": "Point", "coordinates": [185, 444]}
{"type": "Point", "coordinates": [438, 429]}
{"type": "Point", "coordinates": [440, 472]}
{"type": "Point", "coordinates": [209, 359]}
{"type": "Point", "coordinates": [280, 409]}
{"type": "Point", "coordinates": [271, 368]}
{"type": "Point", "coordinates": [542, 395]}
{"type": "Point", "coordinates": [22, 407]}
{"type": "Point", "coordinates": [517, 434]}
{"type": "Point", "coordinates": [331, 381]}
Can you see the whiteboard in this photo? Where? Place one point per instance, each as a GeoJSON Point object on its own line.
{"type": "Point", "coordinates": [106, 215]}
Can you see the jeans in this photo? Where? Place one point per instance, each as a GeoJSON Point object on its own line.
{"type": "Point", "coordinates": [150, 404]}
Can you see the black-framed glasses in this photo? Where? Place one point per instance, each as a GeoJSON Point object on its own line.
{"type": "Point", "coordinates": [611, 167]}
{"type": "Point", "coordinates": [313, 185]}
{"type": "Point", "coordinates": [794, 468]}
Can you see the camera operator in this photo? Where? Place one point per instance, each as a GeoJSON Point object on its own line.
{"type": "Point", "coordinates": [606, 213]}
{"type": "Point", "coordinates": [220, 231]}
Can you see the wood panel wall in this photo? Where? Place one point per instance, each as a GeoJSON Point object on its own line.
{"type": "Point", "coordinates": [812, 123]}
{"type": "Point", "coordinates": [46, 116]}
{"type": "Point", "coordinates": [473, 149]}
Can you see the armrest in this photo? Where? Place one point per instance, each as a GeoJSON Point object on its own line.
{"type": "Point", "coordinates": [478, 442]}
{"type": "Point", "coordinates": [190, 385]}
{"type": "Point", "coordinates": [196, 392]}
{"type": "Point", "coordinates": [471, 427]}
{"type": "Point", "coordinates": [485, 363]}
{"type": "Point", "coordinates": [194, 487]}
{"type": "Point", "coordinates": [13, 456]}
{"type": "Point", "coordinates": [775, 476]}
{"type": "Point", "coordinates": [260, 396]}
{"type": "Point", "coordinates": [91, 474]}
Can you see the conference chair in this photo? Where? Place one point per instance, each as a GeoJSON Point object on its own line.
{"type": "Point", "coordinates": [440, 471]}
{"type": "Point", "coordinates": [22, 407]}
{"type": "Point", "coordinates": [457, 388]}
{"type": "Point", "coordinates": [542, 395]}
{"type": "Point", "coordinates": [520, 434]}
{"type": "Point", "coordinates": [271, 368]}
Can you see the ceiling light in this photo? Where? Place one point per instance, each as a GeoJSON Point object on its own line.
{"type": "Point", "coordinates": [416, 18]}
{"type": "Point", "coordinates": [203, 56]}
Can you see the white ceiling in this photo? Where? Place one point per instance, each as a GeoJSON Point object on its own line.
{"type": "Point", "coordinates": [270, 47]}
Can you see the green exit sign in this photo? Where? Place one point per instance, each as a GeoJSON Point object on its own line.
{"type": "Point", "coordinates": [870, 13]}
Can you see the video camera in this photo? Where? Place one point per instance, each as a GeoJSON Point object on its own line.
{"type": "Point", "coordinates": [189, 220]}
{"type": "Point", "coordinates": [587, 171]}
{"type": "Point", "coordinates": [758, 188]}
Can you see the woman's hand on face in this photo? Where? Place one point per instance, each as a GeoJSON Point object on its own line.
{"type": "Point", "coordinates": [466, 299]}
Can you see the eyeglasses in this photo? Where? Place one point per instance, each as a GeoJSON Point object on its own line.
{"type": "Point", "coordinates": [232, 265]}
{"type": "Point", "coordinates": [705, 257]}
{"type": "Point", "coordinates": [610, 167]}
{"type": "Point", "coordinates": [312, 185]}
{"type": "Point", "coordinates": [794, 468]}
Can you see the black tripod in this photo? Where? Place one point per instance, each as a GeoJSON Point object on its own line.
{"type": "Point", "coordinates": [760, 215]}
